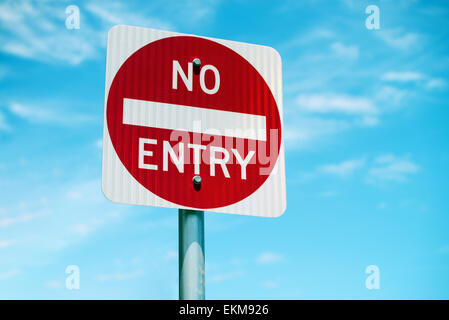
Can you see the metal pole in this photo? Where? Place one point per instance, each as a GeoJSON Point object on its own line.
{"type": "Point", "coordinates": [191, 255]}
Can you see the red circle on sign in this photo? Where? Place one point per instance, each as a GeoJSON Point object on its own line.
{"type": "Point", "coordinates": [147, 75]}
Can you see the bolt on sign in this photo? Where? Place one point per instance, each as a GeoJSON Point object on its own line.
{"type": "Point", "coordinates": [179, 107]}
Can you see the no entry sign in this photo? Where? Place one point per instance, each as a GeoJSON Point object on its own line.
{"type": "Point", "coordinates": [181, 106]}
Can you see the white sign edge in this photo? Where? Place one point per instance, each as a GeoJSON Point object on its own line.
{"type": "Point", "coordinates": [231, 209]}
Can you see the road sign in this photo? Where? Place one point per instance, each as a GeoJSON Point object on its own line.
{"type": "Point", "coordinates": [179, 106]}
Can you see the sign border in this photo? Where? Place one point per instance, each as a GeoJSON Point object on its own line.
{"type": "Point", "coordinates": [117, 183]}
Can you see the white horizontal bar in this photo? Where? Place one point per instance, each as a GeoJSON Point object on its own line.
{"type": "Point", "coordinates": [193, 119]}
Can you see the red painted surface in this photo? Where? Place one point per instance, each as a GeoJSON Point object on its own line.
{"type": "Point", "coordinates": [147, 75]}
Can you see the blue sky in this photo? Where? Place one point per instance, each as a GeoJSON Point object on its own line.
{"type": "Point", "coordinates": [367, 155]}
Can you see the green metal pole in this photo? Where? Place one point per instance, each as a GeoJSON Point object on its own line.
{"type": "Point", "coordinates": [191, 255]}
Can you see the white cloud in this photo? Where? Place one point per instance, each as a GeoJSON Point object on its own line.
{"type": "Point", "coordinates": [344, 168]}
{"type": "Point", "coordinates": [4, 126]}
{"type": "Point", "coordinates": [5, 222]}
{"type": "Point", "coordinates": [127, 262]}
{"type": "Point", "coordinates": [271, 284]}
{"type": "Point", "coordinates": [368, 121]}
{"type": "Point", "coordinates": [436, 83]}
{"type": "Point", "coordinates": [168, 223]}
{"type": "Point", "coordinates": [385, 158]}
{"type": "Point", "coordinates": [331, 103]}
{"type": "Point", "coordinates": [171, 255]}
{"type": "Point", "coordinates": [311, 129]}
{"type": "Point", "coordinates": [83, 229]}
{"type": "Point", "coordinates": [328, 194]}
{"type": "Point", "coordinates": [9, 274]}
{"type": "Point", "coordinates": [226, 276]}
{"type": "Point", "coordinates": [88, 191]}
{"type": "Point", "coordinates": [391, 168]}
{"type": "Point", "coordinates": [99, 143]}
{"type": "Point", "coordinates": [444, 249]}
{"type": "Point", "coordinates": [270, 258]}
{"type": "Point", "coordinates": [3, 72]}
{"type": "Point", "coordinates": [136, 260]}
{"type": "Point", "coordinates": [308, 37]}
{"type": "Point", "coordinates": [54, 284]}
{"type": "Point", "coordinates": [384, 168]}
{"type": "Point", "coordinates": [390, 98]}
{"type": "Point", "coordinates": [409, 76]}
{"type": "Point", "coordinates": [405, 76]}
{"type": "Point", "coordinates": [113, 12]}
{"type": "Point", "coordinates": [6, 243]}
{"type": "Point", "coordinates": [32, 113]}
{"type": "Point", "coordinates": [73, 195]}
{"type": "Point", "coordinates": [38, 114]}
{"type": "Point", "coordinates": [36, 30]}
{"type": "Point", "coordinates": [59, 222]}
{"type": "Point", "coordinates": [398, 39]}
{"type": "Point", "coordinates": [345, 51]}
{"type": "Point", "coordinates": [325, 114]}
{"type": "Point", "coordinates": [382, 205]}
{"type": "Point", "coordinates": [308, 129]}
{"type": "Point", "coordinates": [200, 9]}
{"type": "Point", "coordinates": [295, 136]}
{"type": "Point", "coordinates": [120, 276]}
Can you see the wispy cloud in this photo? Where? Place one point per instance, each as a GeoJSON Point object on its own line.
{"type": "Point", "coordinates": [362, 110]}
{"type": "Point", "coordinates": [4, 126]}
{"type": "Point", "coordinates": [436, 83]}
{"type": "Point", "coordinates": [405, 76]}
{"type": "Point", "coordinates": [414, 77]}
{"type": "Point", "coordinates": [344, 168]}
{"type": "Point", "coordinates": [99, 143]}
{"type": "Point", "coordinates": [270, 258]}
{"type": "Point", "coordinates": [271, 284]}
{"type": "Point", "coordinates": [87, 191]}
{"type": "Point", "coordinates": [3, 72]}
{"type": "Point", "coordinates": [382, 205]}
{"type": "Point", "coordinates": [308, 129]}
{"type": "Point", "coordinates": [38, 114]}
{"type": "Point", "coordinates": [345, 51]}
{"type": "Point", "coordinates": [31, 113]}
{"type": "Point", "coordinates": [390, 97]}
{"type": "Point", "coordinates": [221, 277]}
{"type": "Point", "coordinates": [9, 221]}
{"type": "Point", "coordinates": [332, 103]}
{"type": "Point", "coordinates": [54, 284]}
{"type": "Point", "coordinates": [443, 250]}
{"type": "Point", "coordinates": [9, 274]}
{"type": "Point", "coordinates": [328, 194]}
{"type": "Point", "coordinates": [383, 168]}
{"type": "Point", "coordinates": [171, 255]}
{"type": "Point", "coordinates": [398, 39]}
{"type": "Point", "coordinates": [85, 228]}
{"type": "Point", "coordinates": [390, 167]}
{"type": "Point", "coordinates": [114, 12]}
{"type": "Point", "coordinates": [36, 29]}
{"type": "Point", "coordinates": [120, 276]}
{"type": "Point", "coordinates": [295, 136]}
{"type": "Point", "coordinates": [308, 37]}
{"type": "Point", "coordinates": [83, 216]}
{"type": "Point", "coordinates": [200, 9]}
{"type": "Point", "coordinates": [6, 243]}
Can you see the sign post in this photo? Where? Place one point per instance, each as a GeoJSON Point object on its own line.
{"type": "Point", "coordinates": [180, 109]}
{"type": "Point", "coordinates": [191, 251]}
{"type": "Point", "coordinates": [191, 255]}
